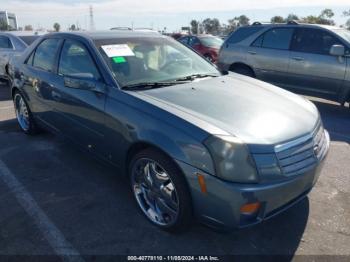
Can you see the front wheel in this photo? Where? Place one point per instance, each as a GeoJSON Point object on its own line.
{"type": "Point", "coordinates": [160, 190]}
{"type": "Point", "coordinates": [23, 115]}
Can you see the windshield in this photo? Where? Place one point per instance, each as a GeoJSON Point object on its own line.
{"type": "Point", "coordinates": [151, 59]}
{"type": "Point", "coordinates": [343, 33]}
{"type": "Point", "coordinates": [212, 41]}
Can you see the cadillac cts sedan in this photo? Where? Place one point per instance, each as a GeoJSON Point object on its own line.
{"type": "Point", "coordinates": [226, 149]}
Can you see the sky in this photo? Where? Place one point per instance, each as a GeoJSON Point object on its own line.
{"type": "Point", "coordinates": [172, 14]}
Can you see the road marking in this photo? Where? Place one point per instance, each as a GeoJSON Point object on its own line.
{"type": "Point", "coordinates": [52, 234]}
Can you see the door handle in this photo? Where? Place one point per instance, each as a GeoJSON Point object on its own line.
{"type": "Point", "coordinates": [298, 58]}
{"type": "Point", "coordinates": [252, 52]}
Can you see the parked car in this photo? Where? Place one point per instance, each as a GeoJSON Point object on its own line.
{"type": "Point", "coordinates": [206, 45]}
{"type": "Point", "coordinates": [303, 58]}
{"type": "Point", "coordinates": [12, 43]}
{"type": "Point", "coordinates": [227, 149]}
{"type": "Point", "coordinates": [178, 35]}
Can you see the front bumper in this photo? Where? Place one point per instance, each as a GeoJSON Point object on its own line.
{"type": "Point", "coordinates": [220, 206]}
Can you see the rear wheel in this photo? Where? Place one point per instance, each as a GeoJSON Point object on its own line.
{"type": "Point", "coordinates": [160, 190]}
{"type": "Point", "coordinates": [243, 70]}
{"type": "Point", "coordinates": [23, 115]}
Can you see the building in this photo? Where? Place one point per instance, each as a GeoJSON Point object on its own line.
{"type": "Point", "coordinates": [10, 19]}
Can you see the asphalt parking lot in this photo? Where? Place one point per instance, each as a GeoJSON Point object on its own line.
{"type": "Point", "coordinates": [55, 199]}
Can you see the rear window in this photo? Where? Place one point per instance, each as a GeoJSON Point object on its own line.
{"type": "Point", "coordinates": [44, 57]}
{"type": "Point", "coordinates": [242, 33]}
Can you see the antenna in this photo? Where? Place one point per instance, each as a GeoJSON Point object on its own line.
{"type": "Point", "coordinates": [92, 24]}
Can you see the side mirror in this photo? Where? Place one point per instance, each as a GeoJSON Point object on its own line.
{"type": "Point", "coordinates": [337, 50]}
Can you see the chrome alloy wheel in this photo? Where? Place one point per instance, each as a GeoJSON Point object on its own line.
{"type": "Point", "coordinates": [155, 192]}
{"type": "Point", "coordinates": [22, 113]}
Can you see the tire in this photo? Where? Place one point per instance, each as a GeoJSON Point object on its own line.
{"type": "Point", "coordinates": [160, 190]}
{"type": "Point", "coordinates": [23, 114]}
{"type": "Point", "coordinates": [243, 71]}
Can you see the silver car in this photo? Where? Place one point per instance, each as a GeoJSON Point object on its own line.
{"type": "Point", "coordinates": [12, 43]}
{"type": "Point", "coordinates": [303, 58]}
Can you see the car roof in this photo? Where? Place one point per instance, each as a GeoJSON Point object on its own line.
{"type": "Point", "coordinates": [296, 25]}
{"type": "Point", "coordinates": [22, 33]}
{"type": "Point", "coordinates": [99, 35]}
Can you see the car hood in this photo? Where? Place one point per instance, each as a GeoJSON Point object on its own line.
{"type": "Point", "coordinates": [252, 110]}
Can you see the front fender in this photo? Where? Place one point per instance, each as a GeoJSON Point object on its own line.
{"type": "Point", "coordinates": [131, 121]}
{"type": "Point", "coordinates": [179, 147]}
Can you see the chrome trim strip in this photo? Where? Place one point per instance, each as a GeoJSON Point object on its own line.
{"type": "Point", "coordinates": [298, 141]}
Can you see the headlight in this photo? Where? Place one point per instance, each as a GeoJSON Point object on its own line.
{"type": "Point", "coordinates": [232, 159]}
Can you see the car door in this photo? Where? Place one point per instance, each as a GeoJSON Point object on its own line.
{"type": "Point", "coordinates": [269, 55]}
{"type": "Point", "coordinates": [80, 97]}
{"type": "Point", "coordinates": [312, 69]}
{"type": "Point", "coordinates": [38, 79]}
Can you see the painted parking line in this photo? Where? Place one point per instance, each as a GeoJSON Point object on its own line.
{"type": "Point", "coordinates": [52, 234]}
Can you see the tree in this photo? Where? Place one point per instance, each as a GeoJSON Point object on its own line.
{"type": "Point", "coordinates": [243, 20]}
{"type": "Point", "coordinates": [292, 17]}
{"type": "Point", "coordinates": [57, 27]}
{"type": "Point", "coordinates": [232, 24]}
{"type": "Point", "coordinates": [324, 18]}
{"type": "Point", "coordinates": [194, 26]}
{"type": "Point", "coordinates": [347, 23]}
{"type": "Point", "coordinates": [311, 19]}
{"type": "Point", "coordinates": [28, 28]}
{"type": "Point", "coordinates": [277, 19]}
{"type": "Point", "coordinates": [73, 27]}
{"type": "Point", "coordinates": [211, 26]}
{"type": "Point", "coordinates": [327, 13]}
{"type": "Point", "coordinates": [237, 21]}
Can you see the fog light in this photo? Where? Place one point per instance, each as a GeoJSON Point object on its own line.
{"type": "Point", "coordinates": [250, 209]}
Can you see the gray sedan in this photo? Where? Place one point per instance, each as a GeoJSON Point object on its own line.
{"type": "Point", "coordinates": [227, 149]}
{"type": "Point", "coordinates": [13, 43]}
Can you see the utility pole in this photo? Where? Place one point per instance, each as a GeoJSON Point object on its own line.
{"type": "Point", "coordinates": [92, 23]}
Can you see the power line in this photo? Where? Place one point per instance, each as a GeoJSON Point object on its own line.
{"type": "Point", "coordinates": [92, 23]}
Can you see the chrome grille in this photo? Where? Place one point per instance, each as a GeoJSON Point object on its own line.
{"type": "Point", "coordinates": [298, 156]}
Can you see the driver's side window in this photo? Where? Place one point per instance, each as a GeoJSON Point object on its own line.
{"type": "Point", "coordinates": [75, 59]}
